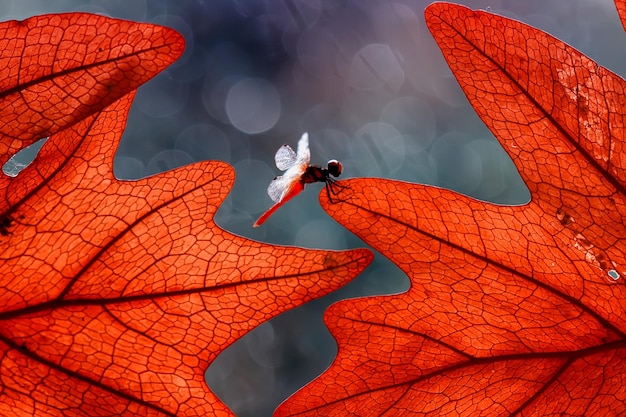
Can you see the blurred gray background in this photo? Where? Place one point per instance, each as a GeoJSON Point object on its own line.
{"type": "Point", "coordinates": [367, 82]}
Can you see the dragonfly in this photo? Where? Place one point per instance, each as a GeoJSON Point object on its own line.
{"type": "Point", "coordinates": [298, 173]}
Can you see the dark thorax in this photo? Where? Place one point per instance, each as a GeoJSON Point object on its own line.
{"type": "Point", "coordinates": [314, 173]}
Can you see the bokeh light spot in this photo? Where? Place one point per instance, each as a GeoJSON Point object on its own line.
{"type": "Point", "coordinates": [204, 142]}
{"type": "Point", "coordinates": [253, 105]}
{"type": "Point", "coordinates": [378, 150]}
{"type": "Point", "coordinates": [376, 66]}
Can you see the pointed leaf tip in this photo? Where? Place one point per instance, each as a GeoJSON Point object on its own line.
{"type": "Point", "coordinates": [58, 69]}
{"type": "Point", "coordinates": [621, 11]}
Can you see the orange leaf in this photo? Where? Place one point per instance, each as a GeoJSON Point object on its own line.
{"type": "Point", "coordinates": [116, 295]}
{"type": "Point", "coordinates": [621, 10]}
{"type": "Point", "coordinates": [512, 310]}
{"type": "Point", "coordinates": [58, 69]}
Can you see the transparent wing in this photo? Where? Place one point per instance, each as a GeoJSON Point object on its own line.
{"type": "Point", "coordinates": [280, 185]}
{"type": "Point", "coordinates": [277, 188]}
{"type": "Point", "coordinates": [294, 164]}
{"type": "Point", "coordinates": [285, 157]}
{"type": "Point", "coordinates": [304, 154]}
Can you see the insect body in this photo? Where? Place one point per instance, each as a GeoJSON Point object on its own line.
{"type": "Point", "coordinates": [297, 174]}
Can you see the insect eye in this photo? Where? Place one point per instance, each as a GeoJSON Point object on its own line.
{"type": "Point", "coordinates": [335, 168]}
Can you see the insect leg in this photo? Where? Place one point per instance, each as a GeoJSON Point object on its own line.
{"type": "Point", "coordinates": [332, 187]}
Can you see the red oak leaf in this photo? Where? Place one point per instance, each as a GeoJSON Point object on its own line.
{"type": "Point", "coordinates": [512, 310]}
{"type": "Point", "coordinates": [58, 69]}
{"type": "Point", "coordinates": [621, 10]}
{"type": "Point", "coordinates": [116, 295]}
